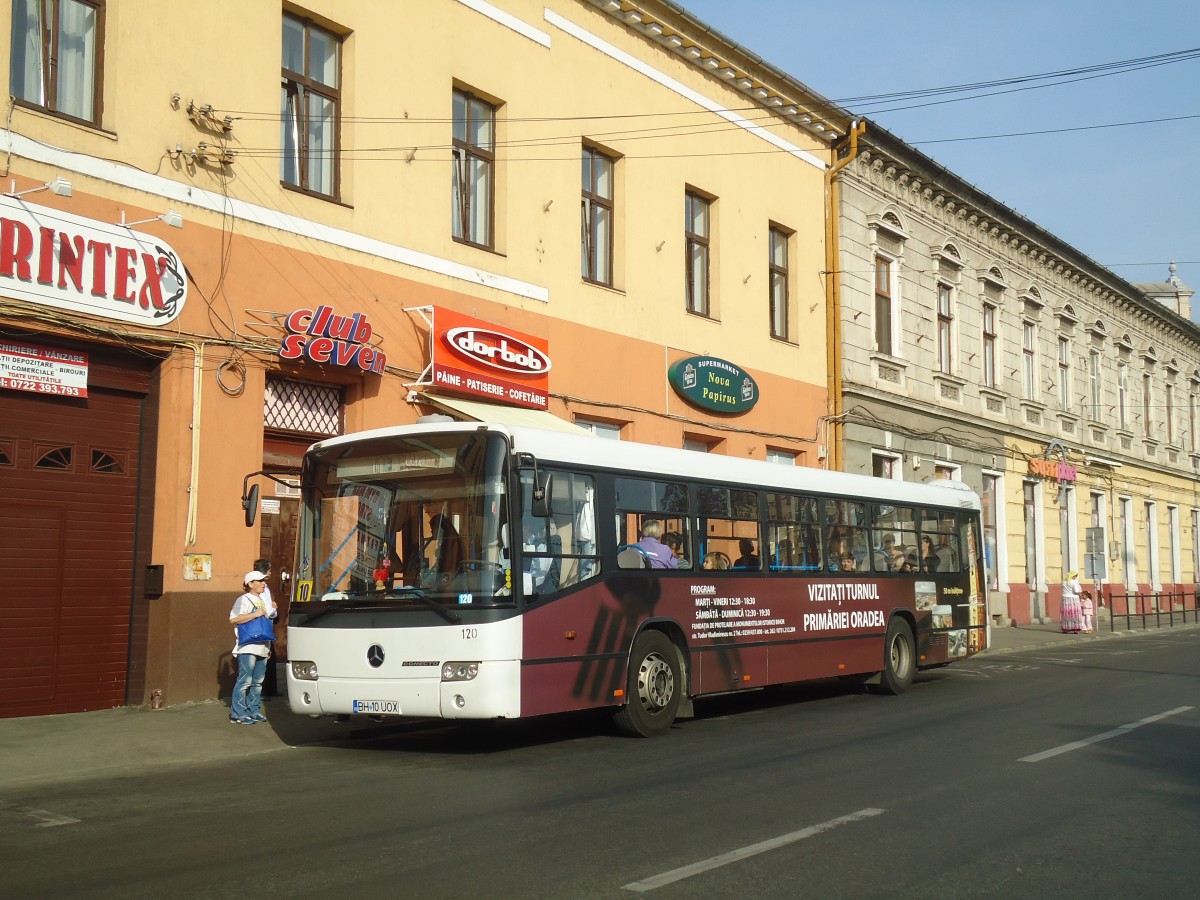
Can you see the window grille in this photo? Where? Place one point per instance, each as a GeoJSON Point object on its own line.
{"type": "Point", "coordinates": [300, 406]}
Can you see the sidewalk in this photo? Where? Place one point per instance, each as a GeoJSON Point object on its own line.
{"type": "Point", "coordinates": [41, 750]}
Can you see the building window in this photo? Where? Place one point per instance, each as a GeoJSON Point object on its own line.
{"type": "Point", "coordinates": [57, 56]}
{"type": "Point", "coordinates": [989, 497]}
{"type": "Point", "coordinates": [1094, 383]}
{"type": "Point", "coordinates": [1147, 402]}
{"type": "Point", "coordinates": [989, 345]}
{"type": "Point", "coordinates": [781, 457]}
{"type": "Point", "coordinates": [1066, 528]}
{"type": "Point", "coordinates": [597, 225]}
{"type": "Point", "coordinates": [696, 237]}
{"type": "Point", "coordinates": [779, 282]}
{"type": "Point", "coordinates": [1151, 509]}
{"type": "Point", "coordinates": [1128, 560]}
{"type": "Point", "coordinates": [1196, 545]}
{"type": "Point", "coordinates": [885, 465]}
{"type": "Point", "coordinates": [884, 333]}
{"type": "Point", "coordinates": [1192, 422]}
{"type": "Point", "coordinates": [600, 429]}
{"type": "Point", "coordinates": [474, 154]}
{"type": "Point", "coordinates": [302, 407]}
{"type": "Point", "coordinates": [945, 316]}
{"type": "Point", "coordinates": [1030, 509]}
{"type": "Point", "coordinates": [1122, 396]}
{"type": "Point", "coordinates": [1169, 411]}
{"type": "Point", "coordinates": [1029, 361]}
{"type": "Point", "coordinates": [1173, 537]}
{"type": "Point", "coordinates": [1064, 373]}
{"type": "Point", "coordinates": [311, 107]}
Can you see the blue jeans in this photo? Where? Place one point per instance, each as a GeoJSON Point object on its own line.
{"type": "Point", "coordinates": [247, 690]}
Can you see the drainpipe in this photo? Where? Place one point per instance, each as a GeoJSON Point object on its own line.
{"type": "Point", "coordinates": [833, 280]}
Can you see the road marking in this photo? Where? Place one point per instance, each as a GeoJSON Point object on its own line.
{"type": "Point", "coordinates": [1055, 659]}
{"type": "Point", "coordinates": [1097, 738]}
{"type": "Point", "coordinates": [724, 859]}
{"type": "Point", "coordinates": [46, 819]}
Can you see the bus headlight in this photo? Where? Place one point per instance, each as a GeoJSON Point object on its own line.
{"type": "Point", "coordinates": [459, 671]}
{"type": "Point", "coordinates": [303, 670]}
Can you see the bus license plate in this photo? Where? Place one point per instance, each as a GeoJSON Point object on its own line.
{"type": "Point", "coordinates": [377, 707]}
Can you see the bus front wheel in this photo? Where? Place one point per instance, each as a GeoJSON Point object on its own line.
{"type": "Point", "coordinates": [899, 659]}
{"type": "Point", "coordinates": [652, 688]}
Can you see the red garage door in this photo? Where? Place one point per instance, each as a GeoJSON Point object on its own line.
{"type": "Point", "coordinates": [68, 526]}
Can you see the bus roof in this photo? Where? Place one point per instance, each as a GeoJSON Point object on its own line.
{"type": "Point", "coordinates": [655, 461]}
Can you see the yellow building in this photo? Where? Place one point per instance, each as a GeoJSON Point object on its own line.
{"type": "Point", "coordinates": [230, 230]}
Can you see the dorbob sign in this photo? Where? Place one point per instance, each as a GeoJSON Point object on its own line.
{"type": "Point", "coordinates": [67, 262]}
{"type": "Point", "coordinates": [714, 384]}
{"type": "Point", "coordinates": [484, 360]}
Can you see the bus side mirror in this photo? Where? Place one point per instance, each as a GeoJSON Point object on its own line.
{"type": "Point", "coordinates": [543, 486]}
{"type": "Point", "coordinates": [250, 504]}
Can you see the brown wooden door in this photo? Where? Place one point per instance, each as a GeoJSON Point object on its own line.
{"type": "Point", "coordinates": [68, 520]}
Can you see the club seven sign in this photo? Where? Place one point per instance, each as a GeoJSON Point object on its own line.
{"type": "Point", "coordinates": [484, 360]}
{"type": "Point", "coordinates": [713, 384]}
{"type": "Point", "coordinates": [52, 258]}
{"type": "Point", "coordinates": [323, 336]}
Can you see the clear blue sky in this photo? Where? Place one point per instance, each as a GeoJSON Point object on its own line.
{"type": "Point", "coordinates": [1120, 195]}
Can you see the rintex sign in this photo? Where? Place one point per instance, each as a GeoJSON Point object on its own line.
{"type": "Point", "coordinates": [67, 262]}
{"type": "Point", "coordinates": [485, 360]}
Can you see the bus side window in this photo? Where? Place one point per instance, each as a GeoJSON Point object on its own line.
{"type": "Point", "coordinates": [558, 550]}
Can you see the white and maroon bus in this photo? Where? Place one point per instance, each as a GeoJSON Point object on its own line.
{"type": "Point", "coordinates": [480, 571]}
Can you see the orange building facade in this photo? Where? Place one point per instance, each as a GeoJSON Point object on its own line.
{"type": "Point", "coordinates": [597, 215]}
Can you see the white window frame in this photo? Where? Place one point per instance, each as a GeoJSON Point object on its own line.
{"type": "Point", "coordinates": [1152, 558]}
{"type": "Point", "coordinates": [893, 302]}
{"type": "Point", "coordinates": [1174, 544]}
{"type": "Point", "coordinates": [1001, 548]}
{"type": "Point", "coordinates": [606, 430]}
{"type": "Point", "coordinates": [1029, 381]}
{"type": "Point", "coordinates": [1064, 372]}
{"type": "Point", "coordinates": [896, 460]}
{"type": "Point", "coordinates": [1128, 550]}
{"type": "Point", "coordinates": [781, 457]}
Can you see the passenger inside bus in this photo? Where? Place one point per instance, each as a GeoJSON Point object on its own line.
{"type": "Point", "coordinates": [748, 559]}
{"type": "Point", "coordinates": [674, 540]}
{"type": "Point", "coordinates": [849, 563]}
{"type": "Point", "coordinates": [449, 545]}
{"type": "Point", "coordinates": [661, 556]}
{"type": "Point", "coordinates": [716, 560]}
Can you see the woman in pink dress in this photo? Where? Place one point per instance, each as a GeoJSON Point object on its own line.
{"type": "Point", "coordinates": [1070, 611]}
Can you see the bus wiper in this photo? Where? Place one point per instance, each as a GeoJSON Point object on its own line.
{"type": "Point", "coordinates": [417, 594]}
{"type": "Point", "coordinates": [376, 599]}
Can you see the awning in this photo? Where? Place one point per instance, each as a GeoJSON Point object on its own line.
{"type": "Point", "coordinates": [477, 411]}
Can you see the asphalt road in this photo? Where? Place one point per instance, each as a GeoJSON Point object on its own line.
{"type": "Point", "coordinates": [1059, 772]}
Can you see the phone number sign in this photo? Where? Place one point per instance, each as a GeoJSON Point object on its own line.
{"type": "Point", "coordinates": [43, 370]}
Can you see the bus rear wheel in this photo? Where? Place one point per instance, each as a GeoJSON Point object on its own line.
{"type": "Point", "coordinates": [652, 687]}
{"type": "Point", "coordinates": [899, 659]}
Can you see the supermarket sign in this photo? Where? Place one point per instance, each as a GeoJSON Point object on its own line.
{"type": "Point", "coordinates": [43, 370]}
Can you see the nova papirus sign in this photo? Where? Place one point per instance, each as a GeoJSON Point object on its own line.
{"type": "Point", "coordinates": [713, 384]}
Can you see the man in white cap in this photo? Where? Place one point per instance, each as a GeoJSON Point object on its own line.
{"type": "Point", "coordinates": [252, 647]}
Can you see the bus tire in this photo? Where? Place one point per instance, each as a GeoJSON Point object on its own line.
{"type": "Point", "coordinates": [899, 659]}
{"type": "Point", "coordinates": [652, 687]}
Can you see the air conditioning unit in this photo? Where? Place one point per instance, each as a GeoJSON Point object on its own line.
{"type": "Point", "coordinates": [289, 489]}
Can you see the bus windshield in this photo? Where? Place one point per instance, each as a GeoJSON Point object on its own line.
{"type": "Point", "coordinates": [399, 521]}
